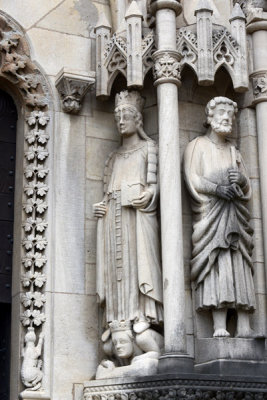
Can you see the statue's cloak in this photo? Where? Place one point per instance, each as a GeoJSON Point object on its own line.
{"type": "Point", "coordinates": [221, 264]}
{"type": "Point", "coordinates": [129, 283]}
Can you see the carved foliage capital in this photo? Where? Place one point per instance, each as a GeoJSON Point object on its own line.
{"type": "Point", "coordinates": [167, 68]}
{"type": "Point", "coordinates": [72, 87]}
{"type": "Point", "coordinates": [259, 83]}
{"type": "Point", "coordinates": [253, 6]}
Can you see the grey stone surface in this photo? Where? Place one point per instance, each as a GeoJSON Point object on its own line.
{"type": "Point", "coordinates": [169, 386]}
{"type": "Point", "coordinates": [210, 349]}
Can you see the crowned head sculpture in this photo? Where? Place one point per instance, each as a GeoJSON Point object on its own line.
{"type": "Point", "coordinates": [122, 338]}
{"type": "Point", "coordinates": [130, 100]}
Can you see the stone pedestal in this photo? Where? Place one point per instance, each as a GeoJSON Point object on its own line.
{"type": "Point", "coordinates": [31, 395]}
{"type": "Point", "coordinates": [174, 386]}
{"type": "Point", "coordinates": [230, 356]}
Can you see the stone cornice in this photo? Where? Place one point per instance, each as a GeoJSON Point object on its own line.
{"type": "Point", "coordinates": [257, 20]}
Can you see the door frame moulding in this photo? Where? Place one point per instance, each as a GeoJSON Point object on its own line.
{"type": "Point", "coordinates": [23, 79]}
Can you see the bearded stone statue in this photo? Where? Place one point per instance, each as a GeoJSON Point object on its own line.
{"type": "Point", "coordinates": [221, 265]}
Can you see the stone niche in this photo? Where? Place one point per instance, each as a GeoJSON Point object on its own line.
{"type": "Point", "coordinates": [214, 363]}
{"type": "Point", "coordinates": [227, 367]}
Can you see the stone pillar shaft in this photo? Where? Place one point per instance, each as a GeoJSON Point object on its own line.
{"type": "Point", "coordinates": [171, 219]}
{"type": "Point", "coordinates": [259, 50]}
{"type": "Point", "coordinates": [166, 34]}
{"type": "Point", "coordinates": [167, 75]}
{"type": "Point", "coordinates": [259, 78]}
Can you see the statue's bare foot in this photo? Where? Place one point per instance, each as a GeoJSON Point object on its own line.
{"type": "Point", "coordinates": [221, 333]}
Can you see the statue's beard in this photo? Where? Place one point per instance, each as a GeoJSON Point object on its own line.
{"type": "Point", "coordinates": [220, 128]}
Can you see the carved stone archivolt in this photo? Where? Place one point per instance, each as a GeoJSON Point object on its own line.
{"type": "Point", "coordinates": [18, 69]}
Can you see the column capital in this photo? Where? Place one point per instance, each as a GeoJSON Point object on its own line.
{"type": "Point", "coordinates": [259, 84]}
{"type": "Point", "coordinates": [165, 4]}
{"type": "Point", "coordinates": [167, 67]}
{"type": "Point", "coordinates": [257, 20]}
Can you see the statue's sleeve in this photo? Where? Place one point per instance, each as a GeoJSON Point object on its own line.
{"type": "Point", "coordinates": [246, 189]}
{"type": "Point", "coordinates": [108, 170]}
{"type": "Point", "coordinates": [152, 182]}
{"type": "Point", "coordinates": [100, 250]}
{"type": "Point", "coordinates": [193, 166]}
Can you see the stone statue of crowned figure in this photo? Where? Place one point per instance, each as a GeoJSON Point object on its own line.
{"type": "Point", "coordinates": [221, 265]}
{"type": "Point", "coordinates": [129, 282]}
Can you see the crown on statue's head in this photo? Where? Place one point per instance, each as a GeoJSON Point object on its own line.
{"type": "Point", "coordinates": [116, 326]}
{"type": "Point", "coordinates": [131, 99]}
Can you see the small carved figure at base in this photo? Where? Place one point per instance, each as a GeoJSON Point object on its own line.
{"type": "Point", "coordinates": [31, 374]}
{"type": "Point", "coordinates": [133, 354]}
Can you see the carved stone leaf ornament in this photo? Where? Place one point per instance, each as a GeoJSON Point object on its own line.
{"type": "Point", "coordinates": [167, 67]}
{"type": "Point", "coordinates": [18, 68]}
{"type": "Point", "coordinates": [178, 394]}
{"type": "Point", "coordinates": [72, 87]}
{"type": "Point", "coordinates": [259, 85]}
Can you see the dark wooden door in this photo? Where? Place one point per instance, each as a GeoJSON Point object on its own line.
{"type": "Point", "coordinates": [8, 120]}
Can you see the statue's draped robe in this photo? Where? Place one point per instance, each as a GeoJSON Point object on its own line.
{"type": "Point", "coordinates": [129, 283]}
{"type": "Point", "coordinates": [221, 264]}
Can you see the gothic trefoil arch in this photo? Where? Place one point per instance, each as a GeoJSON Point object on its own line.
{"type": "Point", "coordinates": [25, 78]}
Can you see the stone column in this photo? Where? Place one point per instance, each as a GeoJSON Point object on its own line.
{"type": "Point", "coordinates": [257, 26]}
{"type": "Point", "coordinates": [167, 80]}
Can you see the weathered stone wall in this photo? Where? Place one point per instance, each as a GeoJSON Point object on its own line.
{"type": "Point", "coordinates": [60, 33]}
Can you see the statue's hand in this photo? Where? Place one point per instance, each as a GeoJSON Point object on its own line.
{"type": "Point", "coordinates": [99, 210]}
{"type": "Point", "coordinates": [236, 177]}
{"type": "Point", "coordinates": [225, 192]}
{"type": "Point", "coordinates": [142, 200]}
{"type": "Point", "coordinates": [108, 364]}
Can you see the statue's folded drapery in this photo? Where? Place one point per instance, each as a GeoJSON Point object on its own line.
{"type": "Point", "coordinates": [221, 264]}
{"type": "Point", "coordinates": [128, 260]}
